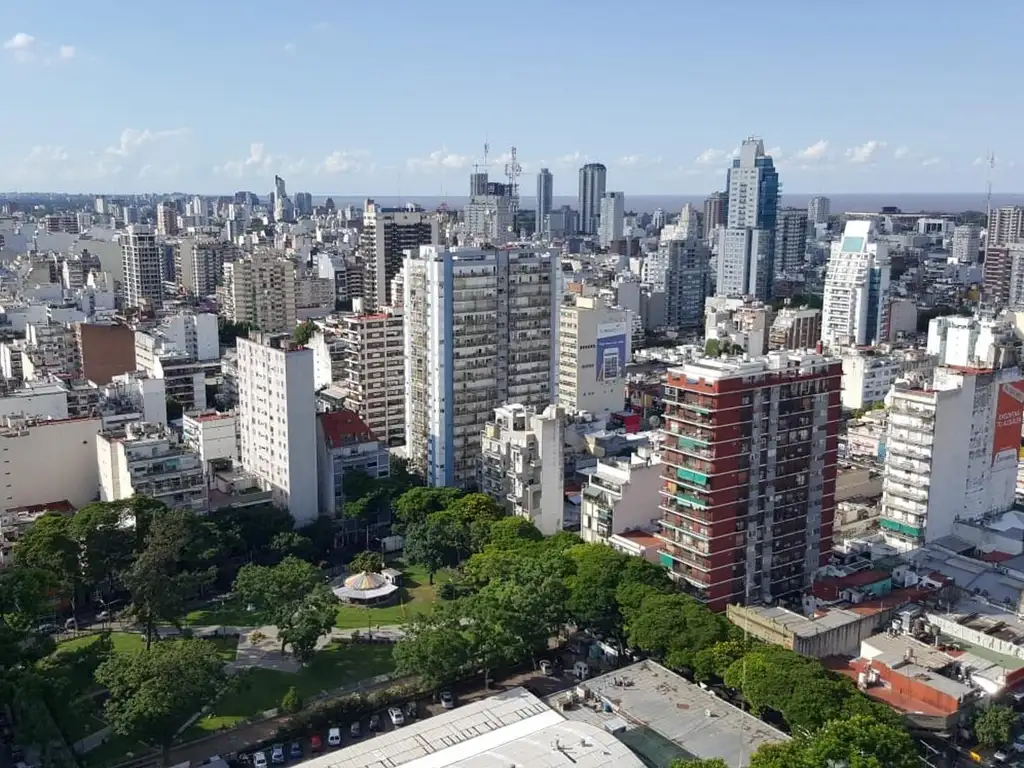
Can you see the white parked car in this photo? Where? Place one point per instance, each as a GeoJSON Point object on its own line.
{"type": "Point", "coordinates": [397, 718]}
{"type": "Point", "coordinates": [259, 760]}
{"type": "Point", "coordinates": [447, 700]}
{"type": "Point", "coordinates": [334, 737]}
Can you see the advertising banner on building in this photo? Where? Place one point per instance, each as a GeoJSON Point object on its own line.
{"type": "Point", "coordinates": [1009, 409]}
{"type": "Point", "coordinates": [612, 343]}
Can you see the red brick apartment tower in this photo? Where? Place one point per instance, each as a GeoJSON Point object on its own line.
{"type": "Point", "coordinates": [749, 455]}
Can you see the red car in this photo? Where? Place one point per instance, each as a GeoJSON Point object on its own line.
{"type": "Point", "coordinates": [316, 744]}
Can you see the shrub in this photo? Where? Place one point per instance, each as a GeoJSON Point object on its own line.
{"type": "Point", "coordinates": [256, 637]}
{"type": "Point", "coordinates": [291, 702]}
{"type": "Point", "coordinates": [447, 591]}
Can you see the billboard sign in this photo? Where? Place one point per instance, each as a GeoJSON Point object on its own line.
{"type": "Point", "coordinates": [1009, 409]}
{"type": "Point", "coordinates": [612, 344]}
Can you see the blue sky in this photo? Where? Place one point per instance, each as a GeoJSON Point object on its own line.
{"type": "Point", "coordinates": [397, 98]}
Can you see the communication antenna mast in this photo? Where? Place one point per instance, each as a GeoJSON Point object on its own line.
{"type": "Point", "coordinates": [513, 170]}
{"type": "Point", "coordinates": [988, 208]}
{"type": "Point", "coordinates": [487, 151]}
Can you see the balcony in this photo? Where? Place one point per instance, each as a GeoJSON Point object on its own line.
{"type": "Point", "coordinates": [891, 501]}
{"type": "Point", "coordinates": [904, 490]}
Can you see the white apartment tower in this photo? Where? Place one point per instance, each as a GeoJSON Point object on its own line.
{"type": "Point", "coordinates": [818, 210]}
{"type": "Point", "coordinates": [746, 243]}
{"type": "Point", "coordinates": [855, 306]}
{"type": "Point", "coordinates": [479, 329]}
{"type": "Point", "coordinates": [387, 233]}
{"type": "Point", "coordinates": [593, 350]}
{"type": "Point", "coordinates": [689, 223]}
{"type": "Point", "coordinates": [613, 211]}
{"type": "Point", "coordinates": [142, 268]}
{"type": "Point", "coordinates": [260, 291]}
{"type": "Point", "coordinates": [522, 463]}
{"type": "Point", "coordinates": [277, 421]}
{"type": "Point", "coordinates": [966, 244]}
{"type": "Point", "coordinates": [1005, 225]}
{"type": "Point", "coordinates": [166, 219]}
{"type": "Point", "coordinates": [951, 452]}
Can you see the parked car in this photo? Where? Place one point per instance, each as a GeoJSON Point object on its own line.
{"type": "Point", "coordinates": [447, 700]}
{"type": "Point", "coordinates": [355, 730]}
{"type": "Point", "coordinates": [103, 616]}
{"type": "Point", "coordinates": [411, 711]}
{"type": "Point", "coordinates": [397, 718]}
{"type": "Point", "coordinates": [374, 722]}
{"type": "Point", "coordinates": [1000, 756]}
{"type": "Point", "coordinates": [259, 759]}
{"type": "Point", "coordinates": [547, 667]}
{"type": "Point", "coordinates": [295, 751]}
{"type": "Point", "coordinates": [316, 744]}
{"type": "Point", "coordinates": [334, 737]}
{"type": "Point", "coordinates": [277, 754]}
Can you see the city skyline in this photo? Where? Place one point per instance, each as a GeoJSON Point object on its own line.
{"type": "Point", "coordinates": [216, 111]}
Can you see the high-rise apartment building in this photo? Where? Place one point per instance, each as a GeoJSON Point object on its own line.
{"type": "Point", "coordinates": [996, 273]}
{"type": "Point", "coordinates": [746, 244]}
{"type": "Point", "coordinates": [716, 215]}
{"type": "Point", "coordinates": [593, 177]}
{"type": "Point", "coordinates": [260, 291]}
{"type": "Point", "coordinates": [795, 328]}
{"type": "Point", "coordinates": [490, 218]}
{"type": "Point", "coordinates": [545, 199]}
{"type": "Point", "coordinates": [790, 241]}
{"type": "Point", "coordinates": [593, 350]}
{"type": "Point", "coordinates": [166, 219]}
{"type": "Point", "coordinates": [277, 420]}
{"type": "Point", "coordinates": [199, 264]}
{"type": "Point", "coordinates": [372, 370]}
{"type": "Point", "coordinates": [749, 453]}
{"type": "Point", "coordinates": [1014, 255]}
{"type": "Point", "coordinates": [818, 210]}
{"type": "Point", "coordinates": [478, 183]}
{"type": "Point", "coordinates": [951, 452]}
{"type": "Point", "coordinates": [686, 279]}
{"type": "Point", "coordinates": [142, 268]}
{"type": "Point", "coordinates": [479, 330]}
{"type": "Point", "coordinates": [522, 464]}
{"type": "Point", "coordinates": [856, 302]}
{"type": "Point", "coordinates": [689, 223]}
{"type": "Point", "coordinates": [387, 234]}
{"type": "Point", "coordinates": [304, 203]}
{"type": "Point", "coordinates": [1005, 225]}
{"type": "Point", "coordinates": [966, 244]}
{"type": "Point", "coordinates": [613, 211]}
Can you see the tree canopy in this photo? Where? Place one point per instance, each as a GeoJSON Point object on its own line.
{"type": "Point", "coordinates": [154, 692]}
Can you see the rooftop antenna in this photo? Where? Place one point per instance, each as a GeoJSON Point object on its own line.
{"type": "Point", "coordinates": [988, 210]}
{"type": "Point", "coordinates": [513, 170]}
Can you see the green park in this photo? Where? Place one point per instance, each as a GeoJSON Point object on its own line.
{"type": "Point", "coordinates": [480, 594]}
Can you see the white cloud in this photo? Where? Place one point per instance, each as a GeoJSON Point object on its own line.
{"type": "Point", "coordinates": [440, 159]}
{"type": "Point", "coordinates": [901, 152]}
{"type": "Point", "coordinates": [928, 162]}
{"type": "Point", "coordinates": [865, 152]}
{"type": "Point", "coordinates": [339, 162]}
{"type": "Point", "coordinates": [133, 139]}
{"type": "Point", "coordinates": [259, 159]}
{"type": "Point", "coordinates": [20, 42]}
{"type": "Point", "coordinates": [573, 158]}
{"type": "Point", "coordinates": [26, 49]}
{"type": "Point", "coordinates": [817, 151]}
{"type": "Point", "coordinates": [630, 160]}
{"type": "Point", "coordinates": [288, 48]}
{"type": "Point", "coordinates": [712, 157]}
{"type": "Point", "coordinates": [150, 171]}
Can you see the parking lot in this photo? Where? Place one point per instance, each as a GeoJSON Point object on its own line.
{"type": "Point", "coordinates": [534, 680]}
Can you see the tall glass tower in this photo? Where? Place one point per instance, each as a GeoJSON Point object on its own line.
{"type": "Point", "coordinates": [545, 196]}
{"type": "Point", "coordinates": [592, 185]}
{"type": "Point", "coordinates": [746, 246]}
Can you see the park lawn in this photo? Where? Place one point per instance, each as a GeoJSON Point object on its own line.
{"type": "Point", "coordinates": [336, 666]}
{"type": "Point", "coordinates": [226, 613]}
{"type": "Point", "coordinates": [131, 642]}
{"type": "Point", "coordinates": [416, 597]}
